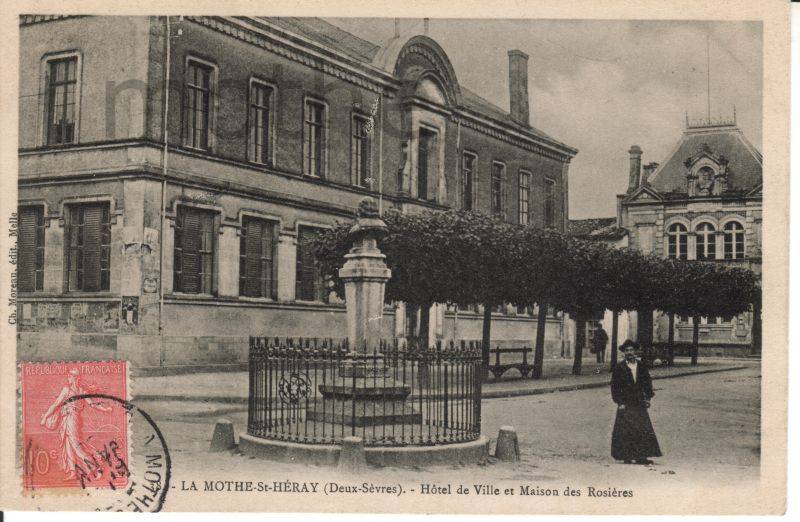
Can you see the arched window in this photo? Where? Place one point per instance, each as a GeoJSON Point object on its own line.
{"type": "Point", "coordinates": [676, 241]}
{"type": "Point", "coordinates": [734, 240]}
{"type": "Point", "coordinates": [706, 243]}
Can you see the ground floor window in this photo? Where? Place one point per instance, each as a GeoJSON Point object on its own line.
{"type": "Point", "coordinates": [194, 251]}
{"type": "Point", "coordinates": [88, 247]}
{"type": "Point", "coordinates": [310, 284]}
{"type": "Point", "coordinates": [30, 245]}
{"type": "Point", "coordinates": [257, 258]}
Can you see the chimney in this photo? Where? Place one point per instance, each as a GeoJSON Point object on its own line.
{"type": "Point", "coordinates": [647, 171]}
{"type": "Point", "coordinates": [636, 168]}
{"type": "Point", "coordinates": [518, 86]}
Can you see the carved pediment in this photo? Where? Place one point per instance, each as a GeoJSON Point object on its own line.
{"type": "Point", "coordinates": [644, 194]}
{"type": "Point", "coordinates": [706, 173]}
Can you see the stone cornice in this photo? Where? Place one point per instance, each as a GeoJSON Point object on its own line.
{"type": "Point", "coordinates": [339, 66]}
{"type": "Point", "coordinates": [515, 138]}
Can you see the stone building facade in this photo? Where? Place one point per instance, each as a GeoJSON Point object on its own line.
{"type": "Point", "coordinates": [171, 171]}
{"type": "Point", "coordinates": [703, 203]}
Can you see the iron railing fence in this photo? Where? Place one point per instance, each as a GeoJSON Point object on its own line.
{"type": "Point", "coordinates": [319, 391]}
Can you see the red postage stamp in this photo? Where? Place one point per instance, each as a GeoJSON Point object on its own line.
{"type": "Point", "coordinates": [74, 424]}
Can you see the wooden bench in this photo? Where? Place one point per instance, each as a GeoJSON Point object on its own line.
{"type": "Point", "coordinates": [499, 368]}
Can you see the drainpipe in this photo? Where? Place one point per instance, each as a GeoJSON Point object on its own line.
{"type": "Point", "coordinates": [164, 160]}
{"type": "Point", "coordinates": [380, 155]}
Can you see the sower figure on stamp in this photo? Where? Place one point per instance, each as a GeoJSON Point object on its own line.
{"type": "Point", "coordinates": [633, 438]}
{"type": "Point", "coordinates": [67, 417]}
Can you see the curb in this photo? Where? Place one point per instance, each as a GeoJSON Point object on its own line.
{"type": "Point", "coordinates": [499, 394]}
{"type": "Point", "coordinates": [587, 385]}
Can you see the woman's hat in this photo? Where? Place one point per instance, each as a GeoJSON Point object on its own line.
{"type": "Point", "coordinates": [628, 343]}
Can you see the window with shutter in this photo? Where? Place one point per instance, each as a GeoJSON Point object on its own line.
{"type": "Point", "coordinates": [256, 258]}
{"type": "Point", "coordinates": [314, 139]}
{"type": "Point", "coordinates": [89, 247]}
{"type": "Point", "coordinates": [259, 124]}
{"type": "Point", "coordinates": [524, 197]}
{"type": "Point", "coordinates": [194, 251]}
{"type": "Point", "coordinates": [309, 284]}
{"type": "Point", "coordinates": [468, 165]}
{"type": "Point", "coordinates": [30, 263]}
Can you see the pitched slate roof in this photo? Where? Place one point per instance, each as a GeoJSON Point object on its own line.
{"type": "Point", "coordinates": [744, 160]}
{"type": "Point", "coordinates": [332, 36]}
{"type": "Point", "coordinates": [595, 228]}
{"type": "Point", "coordinates": [326, 33]}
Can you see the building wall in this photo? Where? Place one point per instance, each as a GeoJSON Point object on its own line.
{"type": "Point", "coordinates": [210, 329]}
{"type": "Point", "coordinates": [113, 68]}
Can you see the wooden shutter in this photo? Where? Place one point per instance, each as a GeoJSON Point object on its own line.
{"type": "Point", "coordinates": [256, 258]}
{"type": "Point", "coordinates": [307, 270]}
{"type": "Point", "coordinates": [30, 263]}
{"type": "Point", "coordinates": [92, 247]}
{"type": "Point", "coordinates": [194, 251]}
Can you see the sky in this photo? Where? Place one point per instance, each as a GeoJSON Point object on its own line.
{"type": "Point", "coordinates": [602, 86]}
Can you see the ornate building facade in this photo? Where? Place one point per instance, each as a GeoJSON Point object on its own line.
{"type": "Point", "coordinates": [172, 170]}
{"type": "Point", "coordinates": [703, 202]}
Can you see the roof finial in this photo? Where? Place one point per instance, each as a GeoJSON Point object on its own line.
{"type": "Point", "coordinates": [734, 114]}
{"type": "Point", "coordinates": [397, 28]}
{"type": "Point", "coordinates": [426, 22]}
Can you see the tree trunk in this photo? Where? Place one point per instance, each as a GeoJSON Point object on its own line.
{"type": "Point", "coordinates": [538, 355]}
{"type": "Point", "coordinates": [755, 332]}
{"type": "Point", "coordinates": [580, 342]}
{"type": "Point", "coordinates": [614, 337]}
{"type": "Point", "coordinates": [671, 341]}
{"type": "Point", "coordinates": [424, 326]}
{"type": "Point", "coordinates": [695, 338]}
{"type": "Point", "coordinates": [487, 338]}
{"type": "Point", "coordinates": [644, 331]}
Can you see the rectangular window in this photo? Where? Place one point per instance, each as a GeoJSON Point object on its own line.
{"type": "Point", "coordinates": [257, 258]}
{"type": "Point", "coordinates": [498, 173]}
{"type": "Point", "coordinates": [258, 147]}
{"type": "Point", "coordinates": [469, 163]}
{"type": "Point", "coordinates": [310, 283]}
{"type": "Point", "coordinates": [360, 152]}
{"type": "Point", "coordinates": [88, 247]}
{"type": "Point", "coordinates": [549, 203]}
{"type": "Point", "coordinates": [524, 197]}
{"type": "Point", "coordinates": [314, 139]}
{"type": "Point", "coordinates": [194, 251]}
{"type": "Point", "coordinates": [427, 152]}
{"type": "Point", "coordinates": [197, 106]}
{"type": "Point", "coordinates": [30, 245]}
{"type": "Point", "coordinates": [62, 85]}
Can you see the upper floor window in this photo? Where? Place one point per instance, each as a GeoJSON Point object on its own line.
{"type": "Point", "coordinates": [360, 151]}
{"type": "Point", "coordinates": [524, 197]}
{"type": "Point", "coordinates": [259, 135]}
{"type": "Point", "coordinates": [194, 250]}
{"type": "Point", "coordinates": [427, 161]}
{"type": "Point", "coordinates": [62, 99]}
{"type": "Point", "coordinates": [314, 139]}
{"type": "Point", "coordinates": [310, 284]}
{"type": "Point", "coordinates": [30, 246]}
{"type": "Point", "coordinates": [706, 242]}
{"type": "Point", "coordinates": [734, 240]}
{"type": "Point", "coordinates": [257, 258]}
{"type": "Point", "coordinates": [469, 163]}
{"type": "Point", "coordinates": [498, 175]}
{"type": "Point", "coordinates": [88, 247]}
{"type": "Point", "coordinates": [549, 203]}
{"type": "Point", "coordinates": [677, 241]}
{"type": "Point", "coordinates": [197, 105]}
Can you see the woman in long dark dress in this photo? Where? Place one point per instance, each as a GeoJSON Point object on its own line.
{"type": "Point", "coordinates": [633, 438]}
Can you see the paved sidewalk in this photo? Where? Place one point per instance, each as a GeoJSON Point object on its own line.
{"type": "Point", "coordinates": [231, 387]}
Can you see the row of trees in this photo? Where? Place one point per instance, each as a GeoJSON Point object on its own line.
{"type": "Point", "coordinates": [464, 258]}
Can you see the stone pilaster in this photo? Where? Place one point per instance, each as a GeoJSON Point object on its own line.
{"type": "Point", "coordinates": [287, 266]}
{"type": "Point", "coordinates": [228, 261]}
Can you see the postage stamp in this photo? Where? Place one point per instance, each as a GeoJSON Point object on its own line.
{"type": "Point", "coordinates": [72, 436]}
